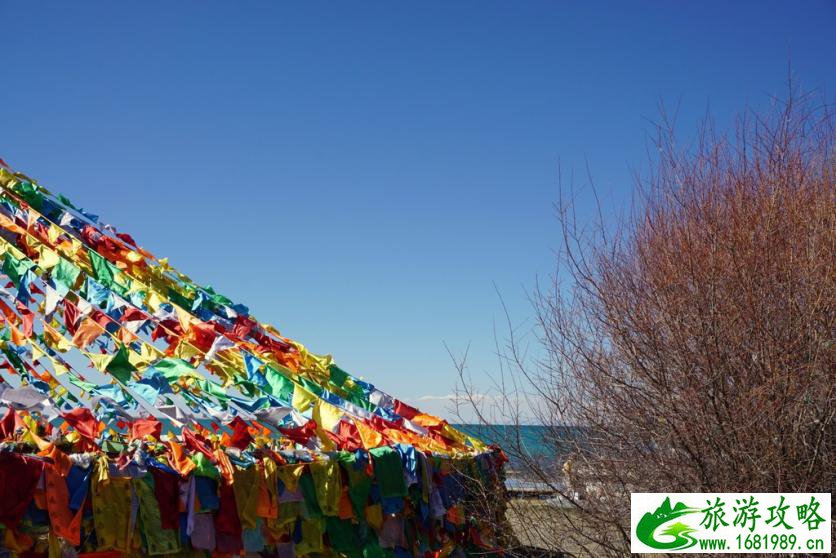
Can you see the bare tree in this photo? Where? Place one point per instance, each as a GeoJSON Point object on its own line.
{"type": "Point", "coordinates": [691, 343]}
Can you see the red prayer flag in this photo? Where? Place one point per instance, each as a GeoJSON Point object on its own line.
{"type": "Point", "coordinates": [241, 437]}
{"type": "Point", "coordinates": [146, 427]}
{"type": "Point", "coordinates": [83, 421]}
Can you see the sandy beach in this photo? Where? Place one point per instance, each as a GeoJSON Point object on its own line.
{"type": "Point", "coordinates": [540, 524]}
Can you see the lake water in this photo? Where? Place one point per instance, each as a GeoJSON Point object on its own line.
{"type": "Point", "coordinates": [549, 444]}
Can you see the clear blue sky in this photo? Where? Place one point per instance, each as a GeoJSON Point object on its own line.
{"type": "Point", "coordinates": [361, 174]}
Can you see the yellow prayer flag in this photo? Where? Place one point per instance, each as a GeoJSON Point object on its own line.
{"type": "Point", "coordinates": [37, 352]}
{"type": "Point", "coordinates": [29, 435]}
{"type": "Point", "coordinates": [147, 354]}
{"type": "Point", "coordinates": [370, 437]}
{"type": "Point", "coordinates": [99, 362]}
{"type": "Point", "coordinates": [133, 257]}
{"type": "Point", "coordinates": [184, 317]}
{"type": "Point", "coordinates": [478, 445]}
{"type": "Point", "coordinates": [58, 367]}
{"type": "Point", "coordinates": [153, 300]}
{"type": "Point", "coordinates": [302, 399]}
{"type": "Point", "coordinates": [47, 258]}
{"type": "Point", "coordinates": [186, 351]}
{"type": "Point", "coordinates": [55, 340]}
{"type": "Point", "coordinates": [53, 232]}
{"type": "Point", "coordinates": [290, 475]}
{"type": "Point", "coordinates": [327, 416]}
{"type": "Point", "coordinates": [451, 433]}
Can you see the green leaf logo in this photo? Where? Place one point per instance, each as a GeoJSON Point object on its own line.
{"type": "Point", "coordinates": [681, 533]}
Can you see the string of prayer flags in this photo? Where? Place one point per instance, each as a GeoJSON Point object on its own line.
{"type": "Point", "coordinates": [144, 414]}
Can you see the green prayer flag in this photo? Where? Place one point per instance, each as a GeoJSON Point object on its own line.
{"type": "Point", "coordinates": [343, 536]}
{"type": "Point", "coordinates": [15, 268]}
{"type": "Point", "coordinates": [174, 368]}
{"type": "Point", "coordinates": [30, 193]}
{"type": "Point", "coordinates": [279, 386]}
{"type": "Point", "coordinates": [359, 400]}
{"type": "Point", "coordinates": [81, 384]}
{"type": "Point", "coordinates": [64, 275]}
{"type": "Point", "coordinates": [102, 269]}
{"type": "Point", "coordinates": [66, 201]}
{"type": "Point", "coordinates": [388, 469]}
{"type": "Point", "coordinates": [306, 483]}
{"type": "Point", "coordinates": [372, 549]}
{"type": "Point", "coordinates": [119, 366]}
{"type": "Point", "coordinates": [359, 482]}
{"type": "Point", "coordinates": [15, 360]}
{"type": "Point", "coordinates": [311, 386]}
{"type": "Point", "coordinates": [179, 299]}
{"type": "Point", "coordinates": [338, 376]}
{"type": "Point", "coordinates": [217, 298]}
{"type": "Point", "coordinates": [247, 388]}
{"type": "Point", "coordinates": [213, 389]}
{"type": "Point", "coordinates": [204, 467]}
